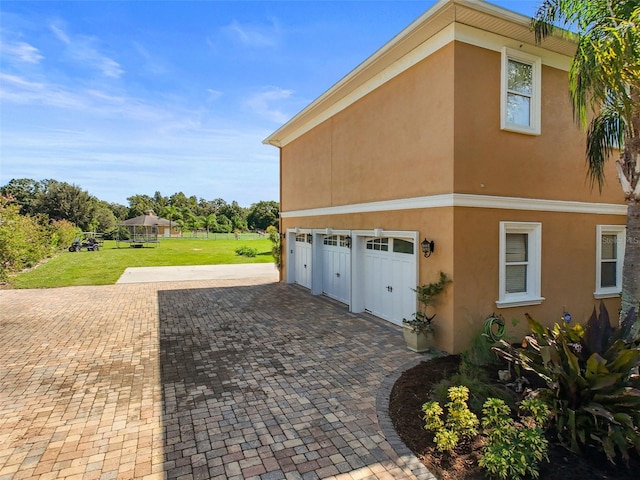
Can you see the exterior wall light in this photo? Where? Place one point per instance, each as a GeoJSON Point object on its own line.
{"type": "Point", "coordinates": [347, 241]}
{"type": "Point", "coordinates": [427, 247]}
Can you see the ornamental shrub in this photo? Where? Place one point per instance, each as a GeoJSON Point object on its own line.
{"type": "Point", "coordinates": [594, 397]}
{"type": "Point", "coordinates": [26, 240]}
{"type": "Point", "coordinates": [276, 248]}
{"type": "Point", "coordinates": [514, 449]}
{"type": "Point", "coordinates": [246, 251]}
{"type": "Point", "coordinates": [460, 421]}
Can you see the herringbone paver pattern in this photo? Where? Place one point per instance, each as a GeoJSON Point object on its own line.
{"type": "Point", "coordinates": [195, 380]}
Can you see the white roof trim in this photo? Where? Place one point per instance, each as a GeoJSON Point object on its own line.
{"type": "Point", "coordinates": [466, 200]}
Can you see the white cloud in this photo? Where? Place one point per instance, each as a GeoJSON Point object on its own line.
{"type": "Point", "coordinates": [149, 63]}
{"type": "Point", "coordinates": [81, 49]}
{"type": "Point", "coordinates": [213, 94]}
{"type": "Point", "coordinates": [21, 51]}
{"type": "Point", "coordinates": [20, 82]}
{"type": "Point", "coordinates": [262, 103]}
{"type": "Point", "coordinates": [60, 34]}
{"type": "Point", "coordinates": [254, 35]}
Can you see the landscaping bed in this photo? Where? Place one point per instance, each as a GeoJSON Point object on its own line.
{"type": "Point", "coordinates": [415, 387]}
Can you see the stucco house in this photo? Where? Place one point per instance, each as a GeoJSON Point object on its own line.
{"type": "Point", "coordinates": [458, 131]}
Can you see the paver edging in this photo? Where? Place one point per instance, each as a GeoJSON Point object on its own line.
{"type": "Point", "coordinates": [386, 425]}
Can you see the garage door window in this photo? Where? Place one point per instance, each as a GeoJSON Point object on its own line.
{"type": "Point", "coordinates": [304, 237]}
{"type": "Point", "coordinates": [380, 244]}
{"type": "Point", "coordinates": [336, 240]}
{"type": "Point", "coordinates": [402, 246]}
{"type": "Point", "coordinates": [331, 240]}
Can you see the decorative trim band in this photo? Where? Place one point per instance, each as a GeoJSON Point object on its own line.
{"type": "Point", "coordinates": [465, 200]}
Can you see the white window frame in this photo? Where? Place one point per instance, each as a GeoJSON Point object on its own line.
{"type": "Point", "coordinates": [534, 265]}
{"type": "Point", "coordinates": [534, 127]}
{"type": "Point", "coordinates": [620, 231]}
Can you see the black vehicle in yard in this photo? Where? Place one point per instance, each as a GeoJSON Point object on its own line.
{"type": "Point", "coordinates": [90, 241]}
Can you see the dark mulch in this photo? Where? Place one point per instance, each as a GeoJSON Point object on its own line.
{"type": "Point", "coordinates": [415, 386]}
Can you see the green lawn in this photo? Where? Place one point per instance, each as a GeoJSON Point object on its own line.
{"type": "Point", "coordinates": [105, 266]}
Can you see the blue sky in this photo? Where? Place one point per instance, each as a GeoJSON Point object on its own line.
{"type": "Point", "coordinates": [134, 97]}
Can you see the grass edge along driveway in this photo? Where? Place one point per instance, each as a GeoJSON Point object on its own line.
{"type": "Point", "coordinates": [105, 266]}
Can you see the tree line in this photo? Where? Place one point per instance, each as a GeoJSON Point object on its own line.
{"type": "Point", "coordinates": [63, 201]}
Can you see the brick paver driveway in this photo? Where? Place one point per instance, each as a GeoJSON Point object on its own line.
{"type": "Point", "coordinates": [211, 379]}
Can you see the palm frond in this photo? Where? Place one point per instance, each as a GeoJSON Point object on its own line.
{"type": "Point", "coordinates": [607, 131]}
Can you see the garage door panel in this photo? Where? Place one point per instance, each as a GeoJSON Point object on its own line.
{"type": "Point", "coordinates": [302, 260]}
{"type": "Point", "coordinates": [389, 278]}
{"type": "Point", "coordinates": [375, 267]}
{"type": "Point", "coordinates": [336, 268]}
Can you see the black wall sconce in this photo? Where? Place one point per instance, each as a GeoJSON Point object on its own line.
{"type": "Point", "coordinates": [283, 236]}
{"type": "Point", "coordinates": [347, 241]}
{"type": "Point", "coordinates": [427, 247]}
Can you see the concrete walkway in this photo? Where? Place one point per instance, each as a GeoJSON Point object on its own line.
{"type": "Point", "coordinates": [224, 379]}
{"type": "Point", "coordinates": [199, 272]}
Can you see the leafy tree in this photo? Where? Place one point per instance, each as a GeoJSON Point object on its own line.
{"type": "Point", "coordinates": [192, 222]}
{"type": "Point", "coordinates": [160, 201]}
{"type": "Point", "coordinates": [181, 225]}
{"type": "Point", "coordinates": [25, 240]}
{"type": "Point", "coordinates": [63, 201]}
{"type": "Point", "coordinates": [119, 211]}
{"type": "Point", "coordinates": [139, 205]}
{"type": "Point", "coordinates": [178, 200]}
{"type": "Point", "coordinates": [210, 222]}
{"type": "Point", "coordinates": [206, 208]}
{"type": "Point", "coordinates": [218, 205]}
{"type": "Point", "coordinates": [239, 223]}
{"type": "Point", "coordinates": [103, 218]}
{"type": "Point", "coordinates": [23, 191]}
{"type": "Point", "coordinates": [232, 209]}
{"type": "Point", "coordinates": [604, 79]}
{"type": "Point", "coordinates": [224, 224]}
{"type": "Point", "coordinates": [172, 214]}
{"type": "Point", "coordinates": [263, 214]}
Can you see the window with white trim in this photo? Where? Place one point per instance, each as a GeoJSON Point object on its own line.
{"type": "Point", "coordinates": [521, 90]}
{"type": "Point", "coordinates": [520, 264]}
{"type": "Point", "coordinates": [610, 243]}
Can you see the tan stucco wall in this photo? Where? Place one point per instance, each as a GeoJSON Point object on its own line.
{"type": "Point", "coordinates": [568, 263]}
{"type": "Point", "coordinates": [400, 141]}
{"type": "Point", "coordinates": [412, 137]}
{"type": "Point", "coordinates": [436, 224]}
{"type": "Point", "coordinates": [491, 161]}
{"type": "Point", "coordinates": [568, 268]}
{"type": "Point", "coordinates": [348, 158]}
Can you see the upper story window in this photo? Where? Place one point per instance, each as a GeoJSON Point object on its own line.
{"type": "Point", "coordinates": [520, 92]}
{"type": "Point", "coordinates": [520, 264]}
{"type": "Point", "coordinates": [610, 243]}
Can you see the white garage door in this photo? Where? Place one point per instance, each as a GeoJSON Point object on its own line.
{"type": "Point", "coordinates": [390, 277]}
{"type": "Point", "coordinates": [336, 268]}
{"type": "Point", "coordinates": [302, 260]}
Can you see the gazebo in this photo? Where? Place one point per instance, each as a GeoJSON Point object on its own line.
{"type": "Point", "coordinates": [144, 229]}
